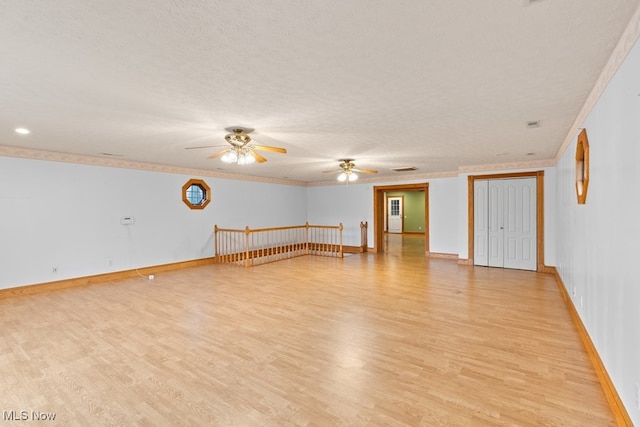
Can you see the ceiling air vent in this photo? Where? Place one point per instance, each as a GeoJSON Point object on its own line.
{"type": "Point", "coordinates": [407, 169]}
{"type": "Point", "coordinates": [532, 125]}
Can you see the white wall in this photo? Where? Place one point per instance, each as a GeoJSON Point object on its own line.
{"type": "Point", "coordinates": [68, 216]}
{"type": "Point", "coordinates": [598, 243]}
{"type": "Point", "coordinates": [443, 215]}
{"type": "Point", "coordinates": [346, 204]}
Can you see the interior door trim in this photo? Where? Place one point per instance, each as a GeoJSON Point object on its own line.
{"type": "Point", "coordinates": [378, 211]}
{"type": "Point", "coordinates": [539, 175]}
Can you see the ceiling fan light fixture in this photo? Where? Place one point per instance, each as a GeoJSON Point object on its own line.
{"type": "Point", "coordinates": [230, 157]}
{"type": "Point", "coordinates": [246, 159]}
{"type": "Point", "coordinates": [347, 176]}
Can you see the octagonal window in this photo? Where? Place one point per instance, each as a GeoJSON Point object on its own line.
{"type": "Point", "coordinates": [196, 194]}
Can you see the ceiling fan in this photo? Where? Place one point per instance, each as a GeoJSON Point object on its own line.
{"type": "Point", "coordinates": [348, 170]}
{"type": "Point", "coordinates": [242, 151]}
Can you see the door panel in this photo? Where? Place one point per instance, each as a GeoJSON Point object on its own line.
{"type": "Point", "coordinates": [520, 226]}
{"type": "Point", "coordinates": [496, 224]}
{"type": "Point", "coordinates": [395, 214]}
{"type": "Point", "coordinates": [481, 223]}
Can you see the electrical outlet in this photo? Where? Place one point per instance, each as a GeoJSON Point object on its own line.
{"type": "Point", "coordinates": [54, 269]}
{"type": "Point", "coordinates": [574, 291]}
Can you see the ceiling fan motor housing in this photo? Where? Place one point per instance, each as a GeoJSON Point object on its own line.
{"type": "Point", "coordinates": [238, 138]}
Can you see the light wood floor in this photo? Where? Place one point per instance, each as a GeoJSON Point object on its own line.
{"type": "Point", "coordinates": [392, 339]}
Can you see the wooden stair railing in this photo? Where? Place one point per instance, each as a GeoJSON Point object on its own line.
{"type": "Point", "coordinates": [250, 247]}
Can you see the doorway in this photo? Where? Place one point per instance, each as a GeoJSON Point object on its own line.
{"type": "Point", "coordinates": [395, 215]}
{"type": "Point", "coordinates": [379, 204]}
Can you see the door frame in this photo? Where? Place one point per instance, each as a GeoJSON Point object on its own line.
{"type": "Point", "coordinates": [379, 201]}
{"type": "Point", "coordinates": [401, 213]}
{"type": "Point", "coordinates": [539, 175]}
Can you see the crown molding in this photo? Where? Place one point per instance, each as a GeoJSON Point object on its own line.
{"type": "Point", "coordinates": [533, 164]}
{"type": "Point", "coordinates": [53, 156]}
{"type": "Point", "coordinates": [377, 180]}
{"type": "Point", "coordinates": [619, 54]}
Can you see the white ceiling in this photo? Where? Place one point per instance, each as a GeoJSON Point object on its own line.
{"type": "Point", "coordinates": [437, 84]}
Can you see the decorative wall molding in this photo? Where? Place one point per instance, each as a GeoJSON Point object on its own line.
{"type": "Point", "coordinates": [619, 54]}
{"type": "Point", "coordinates": [53, 156]}
{"type": "Point", "coordinates": [533, 164]}
{"type": "Point", "coordinates": [383, 179]}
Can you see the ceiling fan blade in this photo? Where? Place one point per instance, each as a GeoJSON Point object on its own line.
{"type": "Point", "coordinates": [218, 154]}
{"type": "Point", "coordinates": [364, 170]}
{"type": "Point", "coordinates": [333, 171]}
{"type": "Point", "coordinates": [201, 146]}
{"type": "Point", "coordinates": [258, 157]}
{"type": "Point", "coordinates": [268, 148]}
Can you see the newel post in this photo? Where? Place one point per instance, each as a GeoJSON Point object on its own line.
{"type": "Point", "coordinates": [364, 231]}
{"type": "Point", "coordinates": [341, 254]}
{"type": "Point", "coordinates": [247, 260]}
{"type": "Point", "coordinates": [306, 243]}
{"type": "Point", "coordinates": [215, 243]}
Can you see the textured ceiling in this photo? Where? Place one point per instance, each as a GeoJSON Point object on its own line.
{"type": "Point", "coordinates": [438, 84]}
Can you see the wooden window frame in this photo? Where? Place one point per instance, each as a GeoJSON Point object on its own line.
{"type": "Point", "coordinates": [582, 167]}
{"type": "Point", "coordinates": [205, 189]}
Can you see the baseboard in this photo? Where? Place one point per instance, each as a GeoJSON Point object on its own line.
{"type": "Point", "coordinates": [617, 407]}
{"type": "Point", "coordinates": [546, 269]}
{"type": "Point", "coordinates": [353, 249]}
{"type": "Point", "coordinates": [87, 280]}
{"type": "Point", "coordinates": [465, 261]}
{"type": "Point", "coordinates": [442, 255]}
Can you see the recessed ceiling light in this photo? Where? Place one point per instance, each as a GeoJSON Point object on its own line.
{"type": "Point", "coordinates": [23, 131]}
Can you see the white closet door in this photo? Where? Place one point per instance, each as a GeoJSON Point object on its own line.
{"type": "Point", "coordinates": [480, 222]}
{"type": "Point", "coordinates": [520, 224]}
{"type": "Point", "coordinates": [496, 223]}
{"type": "Point", "coordinates": [505, 222]}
